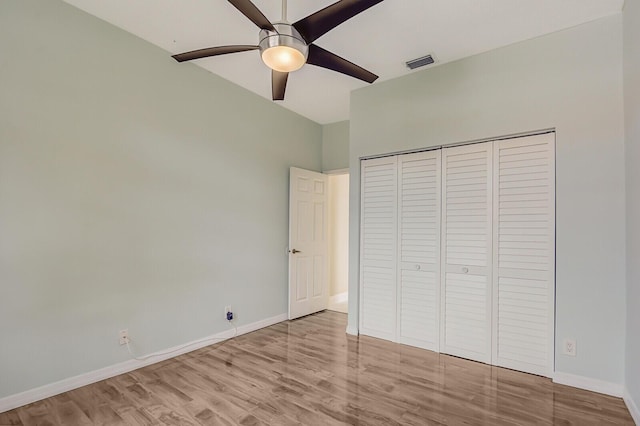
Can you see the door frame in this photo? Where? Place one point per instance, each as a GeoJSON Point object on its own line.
{"type": "Point", "coordinates": [356, 326]}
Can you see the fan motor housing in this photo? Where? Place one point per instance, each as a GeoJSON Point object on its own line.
{"type": "Point", "coordinates": [286, 35]}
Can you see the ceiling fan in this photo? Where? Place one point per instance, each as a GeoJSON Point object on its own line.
{"type": "Point", "coordinates": [286, 47]}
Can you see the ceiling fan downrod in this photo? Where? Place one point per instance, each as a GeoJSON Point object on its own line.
{"type": "Point", "coordinates": [284, 11]}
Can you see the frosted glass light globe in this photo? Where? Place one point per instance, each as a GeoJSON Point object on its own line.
{"type": "Point", "coordinates": [283, 58]}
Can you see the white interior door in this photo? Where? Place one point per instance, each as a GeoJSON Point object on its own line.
{"type": "Point", "coordinates": [378, 247]}
{"type": "Point", "coordinates": [308, 245]}
{"type": "Point", "coordinates": [467, 252]}
{"type": "Point", "coordinates": [418, 316]}
{"type": "Point", "coordinates": [524, 253]}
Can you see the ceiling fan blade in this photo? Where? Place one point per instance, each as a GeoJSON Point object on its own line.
{"type": "Point", "coordinates": [325, 59]}
{"type": "Point", "coordinates": [324, 20]}
{"type": "Point", "coordinates": [278, 84]}
{"type": "Point", "coordinates": [211, 51]}
{"type": "Point", "coordinates": [250, 10]}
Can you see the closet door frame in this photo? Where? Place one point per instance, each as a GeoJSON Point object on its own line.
{"type": "Point", "coordinates": [492, 268]}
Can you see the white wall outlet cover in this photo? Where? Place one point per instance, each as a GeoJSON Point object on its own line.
{"type": "Point", "coordinates": [569, 347]}
{"type": "Point", "coordinates": [124, 336]}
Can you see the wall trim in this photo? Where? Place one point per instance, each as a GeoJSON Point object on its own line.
{"type": "Point", "coordinates": [336, 171]}
{"type": "Point", "coordinates": [32, 395]}
{"type": "Point", "coordinates": [631, 406]}
{"type": "Point", "coordinates": [339, 298]}
{"type": "Point", "coordinates": [587, 383]}
{"type": "Point", "coordinates": [352, 331]}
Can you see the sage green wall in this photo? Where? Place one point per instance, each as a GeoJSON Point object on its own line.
{"type": "Point", "coordinates": [632, 136]}
{"type": "Point", "coordinates": [335, 146]}
{"type": "Point", "coordinates": [554, 81]}
{"type": "Point", "coordinates": [135, 193]}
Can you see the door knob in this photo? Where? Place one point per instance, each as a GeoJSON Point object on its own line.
{"type": "Point", "coordinates": [294, 251]}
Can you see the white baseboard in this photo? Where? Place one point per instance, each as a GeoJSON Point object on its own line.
{"type": "Point", "coordinates": [631, 406]}
{"type": "Point", "coordinates": [338, 298]}
{"type": "Point", "coordinates": [14, 401]}
{"type": "Point", "coordinates": [587, 383]}
{"type": "Point", "coordinates": [352, 331]}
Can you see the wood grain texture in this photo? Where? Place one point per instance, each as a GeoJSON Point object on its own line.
{"type": "Point", "coordinates": [309, 372]}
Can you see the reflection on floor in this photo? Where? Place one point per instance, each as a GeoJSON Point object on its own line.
{"type": "Point", "coordinates": [310, 372]}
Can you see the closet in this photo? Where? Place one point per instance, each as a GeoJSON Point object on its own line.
{"type": "Point", "coordinates": [458, 248]}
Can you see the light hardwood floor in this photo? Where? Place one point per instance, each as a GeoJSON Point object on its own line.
{"type": "Point", "coordinates": [310, 372]}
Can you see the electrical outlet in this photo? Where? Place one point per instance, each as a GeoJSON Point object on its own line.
{"type": "Point", "coordinates": [124, 336]}
{"type": "Point", "coordinates": [569, 347]}
{"type": "Point", "coordinates": [228, 313]}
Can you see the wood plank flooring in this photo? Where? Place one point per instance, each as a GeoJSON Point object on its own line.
{"type": "Point", "coordinates": [310, 372]}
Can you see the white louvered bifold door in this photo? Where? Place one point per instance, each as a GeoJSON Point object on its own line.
{"type": "Point", "coordinates": [419, 249]}
{"type": "Point", "coordinates": [378, 242]}
{"type": "Point", "coordinates": [524, 244]}
{"type": "Point", "coordinates": [467, 251]}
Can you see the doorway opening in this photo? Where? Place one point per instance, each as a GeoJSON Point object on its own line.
{"type": "Point", "coordinates": [338, 233]}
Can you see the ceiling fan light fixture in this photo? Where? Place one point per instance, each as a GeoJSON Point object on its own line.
{"type": "Point", "coordinates": [284, 50]}
{"type": "Point", "coordinates": [283, 58]}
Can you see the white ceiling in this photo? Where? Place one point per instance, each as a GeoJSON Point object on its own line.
{"type": "Point", "coordinates": [380, 39]}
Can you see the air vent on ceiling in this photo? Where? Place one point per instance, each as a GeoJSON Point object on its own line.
{"type": "Point", "coordinates": [420, 62]}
